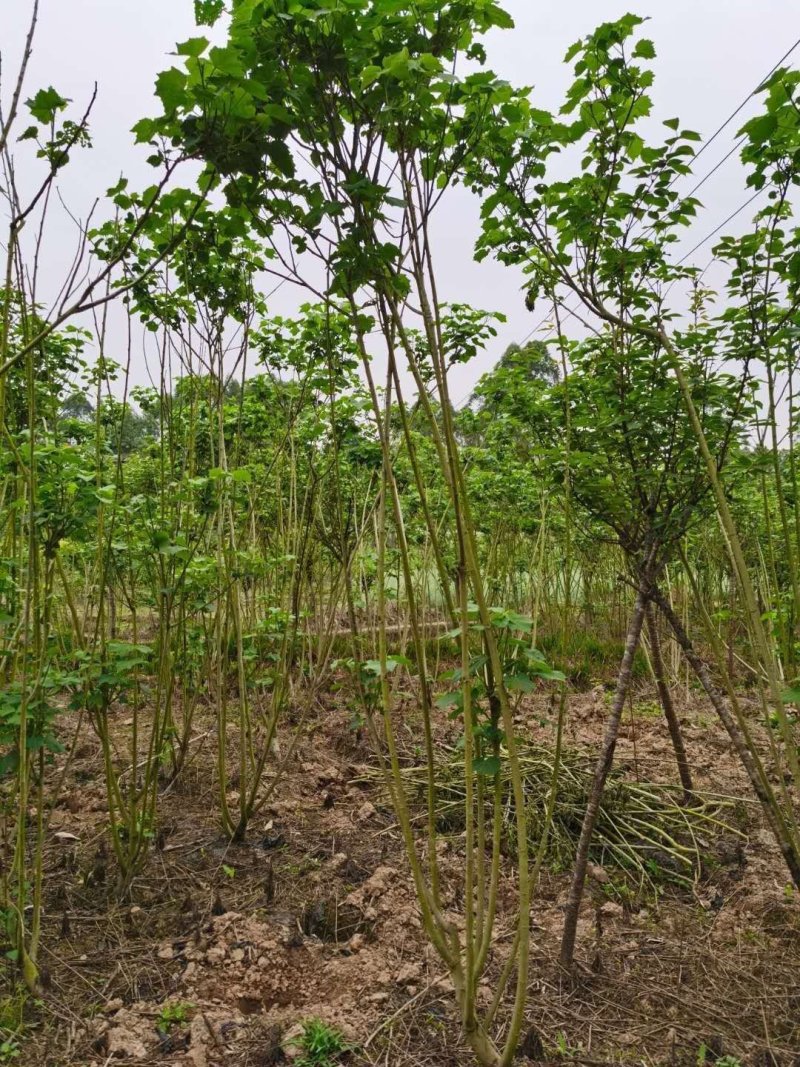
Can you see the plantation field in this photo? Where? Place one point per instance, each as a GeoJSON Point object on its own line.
{"type": "Point", "coordinates": [399, 534]}
{"type": "Point", "coordinates": [229, 948]}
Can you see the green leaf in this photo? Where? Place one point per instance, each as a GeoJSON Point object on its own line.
{"type": "Point", "coordinates": [572, 51]}
{"type": "Point", "coordinates": [448, 700]}
{"type": "Point", "coordinates": [397, 660]}
{"type": "Point", "coordinates": [227, 60]}
{"type": "Point", "coordinates": [760, 129]}
{"type": "Point", "coordinates": [551, 675]}
{"type": "Point", "coordinates": [540, 117]}
{"type": "Point", "coordinates": [46, 104]}
{"type": "Point", "coordinates": [488, 765]}
{"type": "Point", "coordinates": [502, 19]}
{"type": "Point", "coordinates": [370, 75]}
{"type": "Point", "coordinates": [171, 88]}
{"type": "Point", "coordinates": [280, 155]}
{"type": "Point", "coordinates": [195, 46]}
{"type": "Point", "coordinates": [145, 130]}
{"type": "Point", "coordinates": [206, 12]}
{"type": "Point", "coordinates": [645, 49]}
{"type": "Point", "coordinates": [9, 762]}
{"type": "Point", "coordinates": [520, 683]}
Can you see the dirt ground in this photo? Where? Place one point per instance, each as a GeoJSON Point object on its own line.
{"type": "Point", "coordinates": [314, 916]}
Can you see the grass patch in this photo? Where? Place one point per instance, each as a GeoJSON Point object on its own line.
{"type": "Point", "coordinates": [587, 659]}
{"type": "Point", "coordinates": [322, 1045]}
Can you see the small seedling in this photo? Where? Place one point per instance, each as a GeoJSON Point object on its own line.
{"type": "Point", "coordinates": [322, 1045]}
{"type": "Point", "coordinates": [705, 1056]}
{"type": "Point", "coordinates": [172, 1015]}
{"type": "Point", "coordinates": [9, 1049]}
{"type": "Point", "coordinates": [563, 1048]}
{"type": "Point", "coordinates": [648, 709]}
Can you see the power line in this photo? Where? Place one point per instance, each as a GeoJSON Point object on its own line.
{"type": "Point", "coordinates": [715, 168]}
{"type": "Point", "coordinates": [727, 122]}
{"type": "Point", "coordinates": [706, 144]}
{"type": "Point", "coordinates": [733, 114]}
{"type": "Point", "coordinates": [571, 310]}
{"type": "Point", "coordinates": [733, 214]}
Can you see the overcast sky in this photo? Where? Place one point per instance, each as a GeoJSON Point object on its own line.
{"type": "Point", "coordinates": [711, 54]}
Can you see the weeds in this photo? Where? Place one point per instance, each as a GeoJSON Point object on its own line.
{"type": "Point", "coordinates": [322, 1045]}
{"type": "Point", "coordinates": [172, 1015]}
{"type": "Point", "coordinates": [9, 1049]}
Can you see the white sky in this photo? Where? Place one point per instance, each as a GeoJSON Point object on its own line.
{"type": "Point", "coordinates": [711, 54]}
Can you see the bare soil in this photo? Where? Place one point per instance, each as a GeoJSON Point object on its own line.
{"type": "Point", "coordinates": [315, 916]}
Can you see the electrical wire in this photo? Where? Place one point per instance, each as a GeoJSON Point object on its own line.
{"type": "Point", "coordinates": [706, 144]}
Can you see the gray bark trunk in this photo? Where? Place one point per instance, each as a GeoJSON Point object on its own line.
{"type": "Point", "coordinates": [755, 772]}
{"type": "Point", "coordinates": [602, 768]}
{"type": "Point", "coordinates": [665, 696]}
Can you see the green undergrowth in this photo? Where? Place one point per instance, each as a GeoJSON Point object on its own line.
{"type": "Point", "coordinates": [588, 659]}
{"type": "Point", "coordinates": [320, 1045]}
